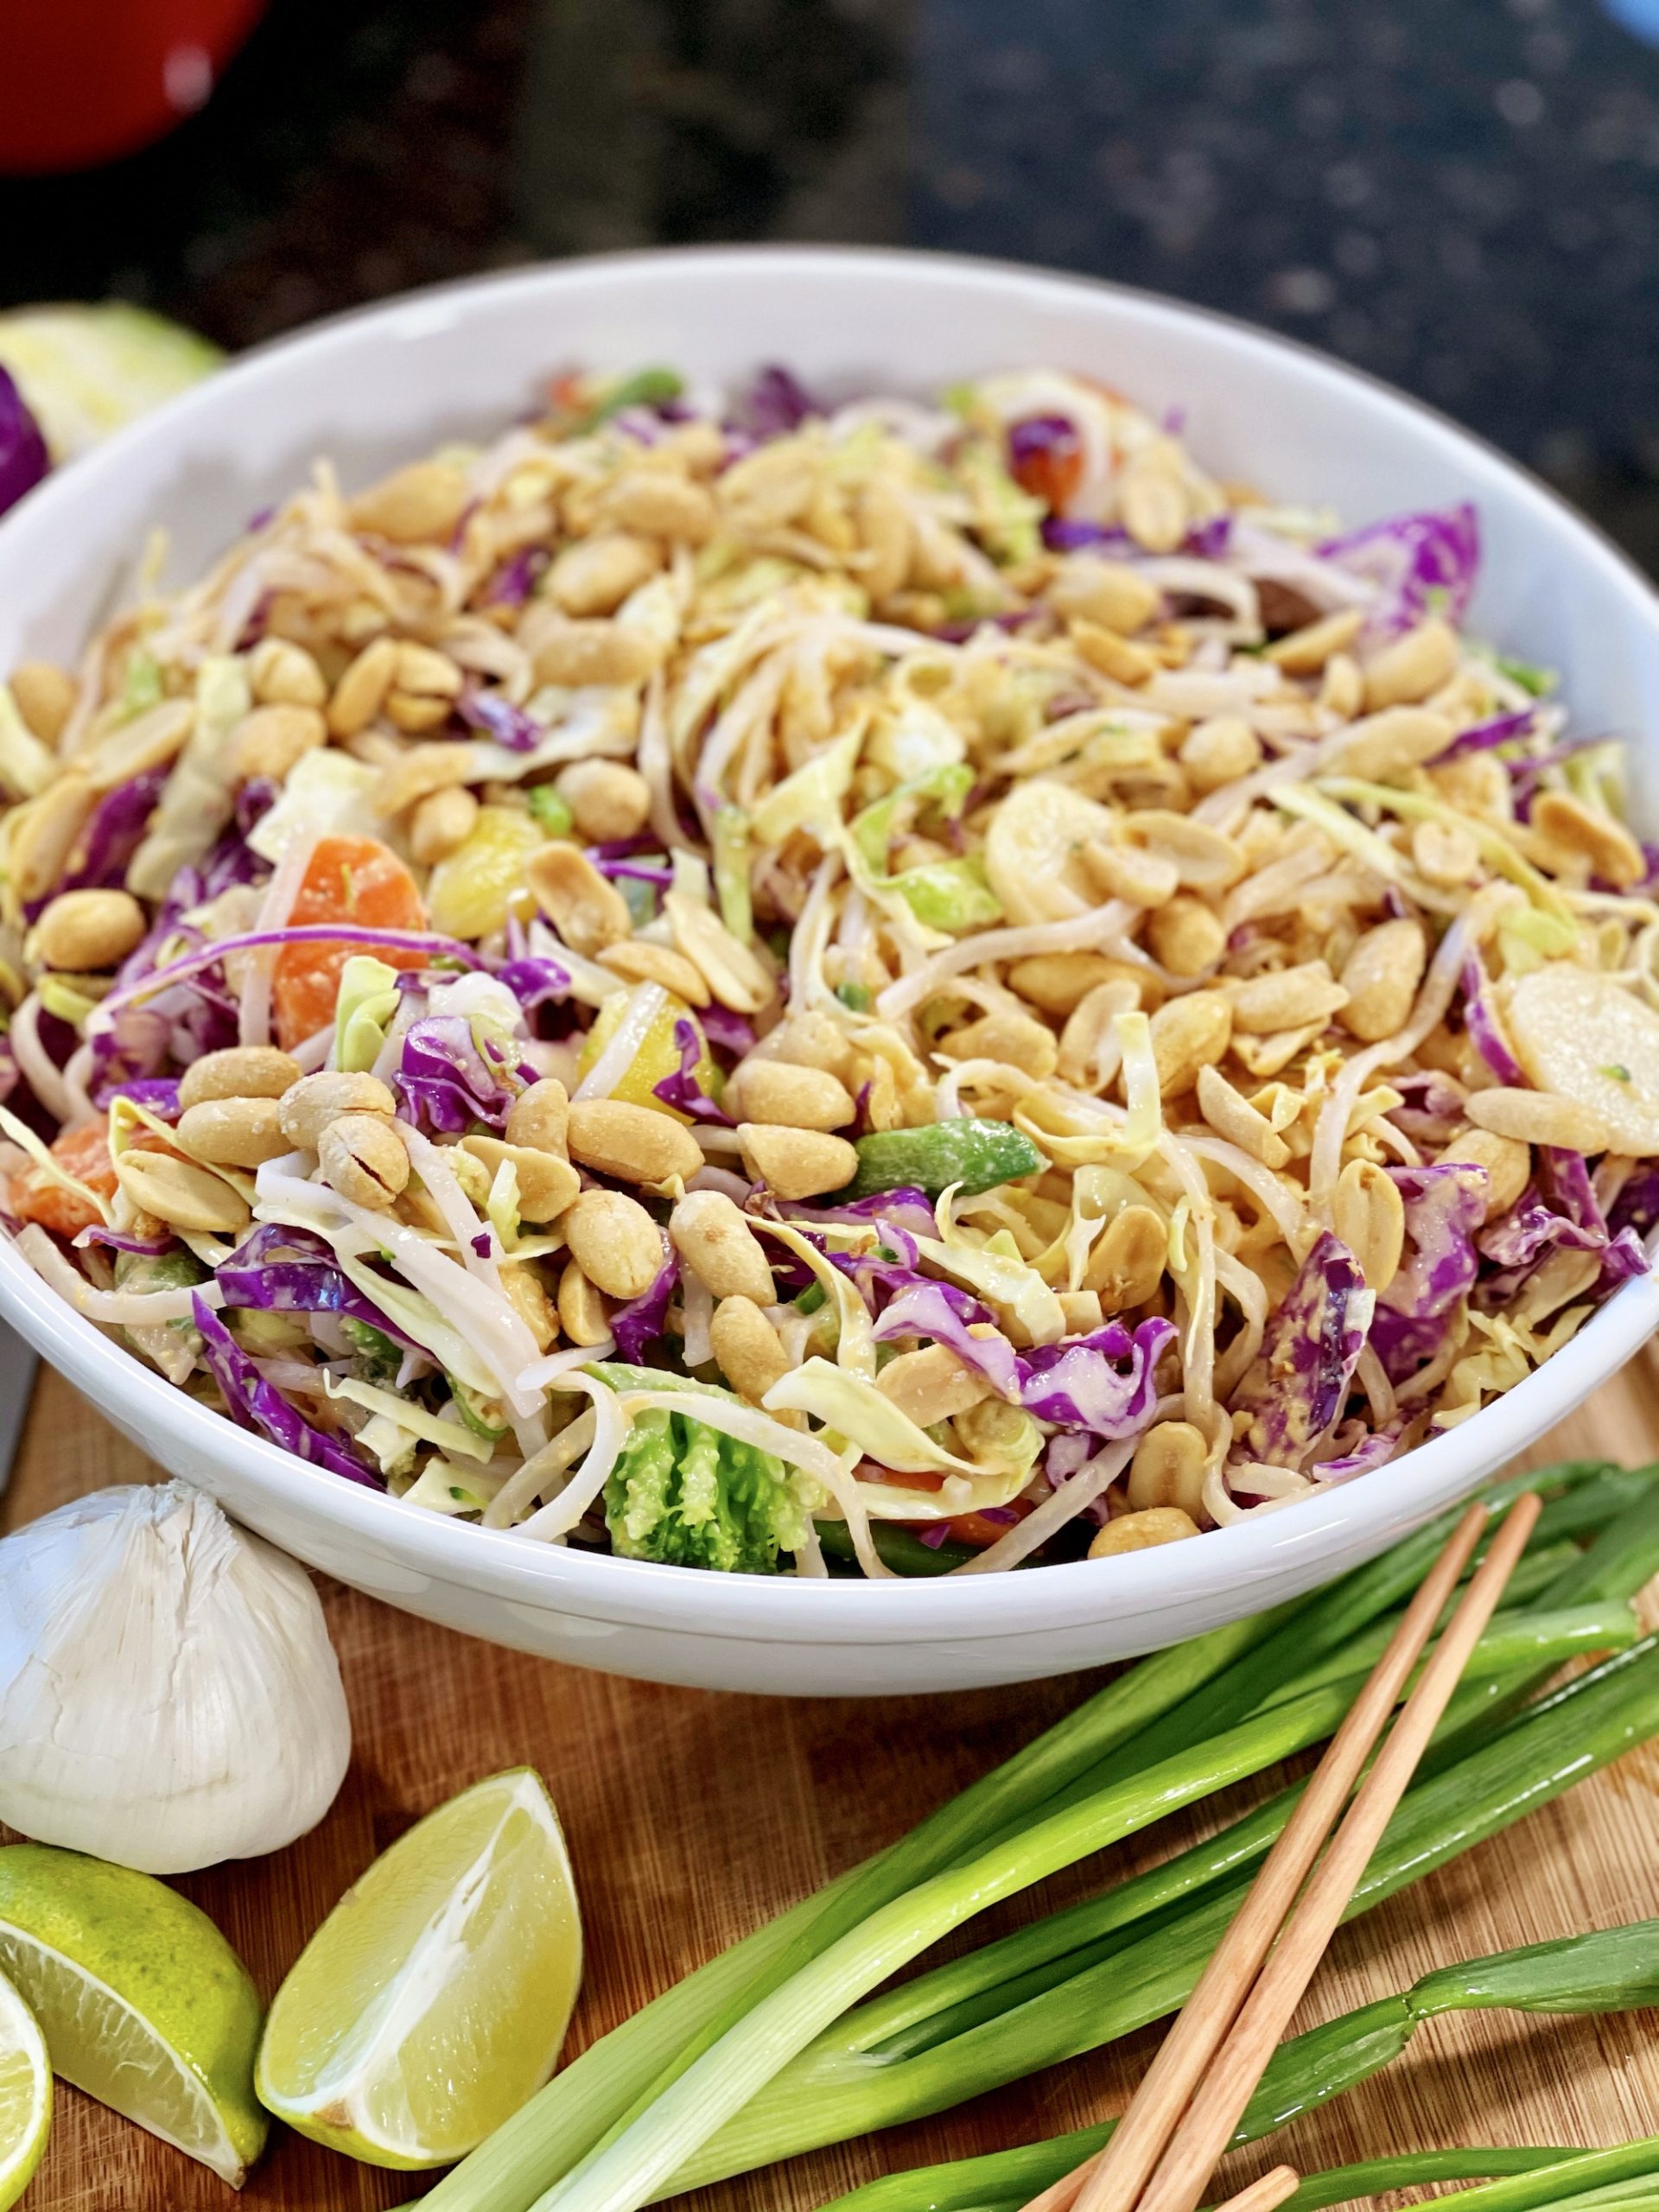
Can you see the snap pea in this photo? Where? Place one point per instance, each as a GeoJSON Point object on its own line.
{"type": "Point", "coordinates": [973, 1156]}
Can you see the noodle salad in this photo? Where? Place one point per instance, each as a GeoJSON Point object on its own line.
{"type": "Point", "coordinates": [877, 989]}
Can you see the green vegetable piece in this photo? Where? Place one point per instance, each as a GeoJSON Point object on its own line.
{"type": "Point", "coordinates": [550, 810]}
{"type": "Point", "coordinates": [475, 1414]}
{"type": "Point", "coordinates": [855, 995]}
{"type": "Point", "coordinates": [950, 894]}
{"type": "Point", "coordinates": [377, 1357]}
{"type": "Point", "coordinates": [690, 1496]}
{"type": "Point", "coordinates": [140, 684]}
{"type": "Point", "coordinates": [363, 1011]}
{"type": "Point", "coordinates": [899, 1548]}
{"type": "Point", "coordinates": [647, 388]}
{"type": "Point", "coordinates": [974, 1156]}
{"type": "Point", "coordinates": [1541, 681]}
{"type": "Point", "coordinates": [731, 856]}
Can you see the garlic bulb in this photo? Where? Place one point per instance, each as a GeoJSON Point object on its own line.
{"type": "Point", "coordinates": [169, 1695]}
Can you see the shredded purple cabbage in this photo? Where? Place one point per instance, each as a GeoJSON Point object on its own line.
{"type": "Point", "coordinates": [1063, 534]}
{"type": "Point", "coordinates": [1480, 1019]}
{"type": "Point", "coordinates": [1444, 1207]}
{"type": "Point", "coordinates": [144, 1248]}
{"type": "Point", "coordinates": [277, 1270]}
{"type": "Point", "coordinates": [1422, 564]}
{"type": "Point", "coordinates": [253, 1403]}
{"type": "Point", "coordinates": [682, 1090]}
{"type": "Point", "coordinates": [1371, 1448]}
{"type": "Point", "coordinates": [160, 1093]}
{"type": "Point", "coordinates": [1037, 437]}
{"type": "Point", "coordinates": [23, 457]}
{"type": "Point", "coordinates": [1078, 1385]}
{"type": "Point", "coordinates": [726, 1031]}
{"type": "Point", "coordinates": [115, 831]}
{"type": "Point", "coordinates": [1296, 1388]}
{"type": "Point", "coordinates": [641, 1321]}
{"type": "Point", "coordinates": [777, 402]}
{"type": "Point", "coordinates": [499, 719]}
{"type": "Point", "coordinates": [906, 1209]}
{"type": "Point", "coordinates": [514, 580]}
{"type": "Point", "coordinates": [453, 1078]}
{"type": "Point", "coordinates": [1501, 729]}
{"type": "Point", "coordinates": [534, 980]}
{"type": "Point", "coordinates": [1636, 1205]}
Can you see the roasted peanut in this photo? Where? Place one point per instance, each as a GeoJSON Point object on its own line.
{"type": "Point", "coordinates": [1231, 1116]}
{"type": "Point", "coordinates": [1306, 651]}
{"type": "Point", "coordinates": [1137, 1532]}
{"type": "Point", "coordinates": [810, 1041]}
{"type": "Point", "coordinates": [362, 1157]}
{"type": "Point", "coordinates": [801, 1099]}
{"type": "Point", "coordinates": [527, 1294]}
{"type": "Point", "coordinates": [1568, 834]}
{"type": "Point", "coordinates": [1537, 1117]}
{"type": "Point", "coordinates": [1388, 743]}
{"type": "Point", "coordinates": [181, 1193]}
{"type": "Point", "coordinates": [1128, 1263]}
{"type": "Point", "coordinates": [424, 501]}
{"type": "Point", "coordinates": [1219, 751]}
{"type": "Point", "coordinates": [271, 740]}
{"type": "Point", "coordinates": [595, 575]}
{"type": "Point", "coordinates": [581, 1310]}
{"type": "Point", "coordinates": [607, 799]}
{"type": "Point", "coordinates": [441, 823]}
{"type": "Point", "coordinates": [1060, 982]}
{"type": "Point", "coordinates": [310, 1104]}
{"type": "Point", "coordinates": [575, 654]}
{"type": "Point", "coordinates": [46, 697]}
{"type": "Point", "coordinates": [1287, 998]}
{"type": "Point", "coordinates": [1015, 1038]}
{"type": "Point", "coordinates": [641, 962]}
{"type": "Point", "coordinates": [1188, 1034]}
{"type": "Point", "coordinates": [1381, 975]}
{"type": "Point", "coordinates": [931, 1384]}
{"type": "Point", "coordinates": [1507, 1161]}
{"type": "Point", "coordinates": [1167, 1469]}
{"type": "Point", "coordinates": [1407, 671]}
{"type": "Point", "coordinates": [548, 1184]}
{"type": "Point", "coordinates": [1089, 1052]}
{"type": "Point", "coordinates": [615, 1242]}
{"type": "Point", "coordinates": [1110, 593]}
{"type": "Point", "coordinates": [747, 1349]}
{"type": "Point", "coordinates": [711, 1235]}
{"type": "Point", "coordinates": [732, 972]}
{"type": "Point", "coordinates": [282, 674]}
{"type": "Point", "coordinates": [1444, 853]}
{"type": "Point", "coordinates": [1186, 937]}
{"type": "Point", "coordinates": [637, 1144]}
{"type": "Point", "coordinates": [588, 911]}
{"type": "Point", "coordinates": [796, 1163]}
{"type": "Point", "coordinates": [238, 1072]}
{"type": "Point", "coordinates": [1203, 859]}
{"type": "Point", "coordinates": [361, 691]}
{"type": "Point", "coordinates": [84, 931]}
{"type": "Point", "coordinates": [233, 1132]}
{"type": "Point", "coordinates": [1152, 500]}
{"type": "Point", "coordinates": [1369, 1217]}
{"type": "Point", "coordinates": [539, 1117]}
{"type": "Point", "coordinates": [1118, 657]}
{"type": "Point", "coordinates": [444, 765]}
{"type": "Point", "coordinates": [661, 505]}
{"type": "Point", "coordinates": [1342, 688]}
{"type": "Point", "coordinates": [1130, 872]}
{"type": "Point", "coordinates": [43, 833]}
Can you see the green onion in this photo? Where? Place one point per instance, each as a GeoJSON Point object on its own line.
{"type": "Point", "coordinates": [1615, 1970]}
{"type": "Point", "coordinates": [834, 2092]}
{"type": "Point", "coordinates": [1573, 2177]}
{"type": "Point", "coordinates": [622, 2073]}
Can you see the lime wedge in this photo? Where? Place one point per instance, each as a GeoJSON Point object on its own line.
{"type": "Point", "coordinates": [433, 2001]}
{"type": "Point", "coordinates": [87, 370]}
{"type": "Point", "coordinates": [25, 2094]}
{"type": "Point", "coordinates": [143, 2004]}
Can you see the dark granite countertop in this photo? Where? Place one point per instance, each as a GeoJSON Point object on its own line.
{"type": "Point", "coordinates": [1459, 195]}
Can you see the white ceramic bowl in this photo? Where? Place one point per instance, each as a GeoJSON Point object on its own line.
{"type": "Point", "coordinates": [383, 385]}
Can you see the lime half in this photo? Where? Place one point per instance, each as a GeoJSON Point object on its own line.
{"type": "Point", "coordinates": [25, 2094]}
{"type": "Point", "coordinates": [433, 2001]}
{"type": "Point", "coordinates": [87, 370]}
{"type": "Point", "coordinates": [142, 2003]}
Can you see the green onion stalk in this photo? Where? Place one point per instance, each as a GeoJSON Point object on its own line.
{"type": "Point", "coordinates": [1622, 2179]}
{"type": "Point", "coordinates": [1220, 1675]}
{"type": "Point", "coordinates": [1614, 1970]}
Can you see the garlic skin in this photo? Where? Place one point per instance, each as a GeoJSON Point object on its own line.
{"type": "Point", "coordinates": [169, 1695]}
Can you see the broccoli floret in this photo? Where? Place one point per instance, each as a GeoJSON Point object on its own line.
{"type": "Point", "coordinates": [688, 1496]}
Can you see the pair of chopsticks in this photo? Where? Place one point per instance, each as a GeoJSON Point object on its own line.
{"type": "Point", "coordinates": [1194, 2096]}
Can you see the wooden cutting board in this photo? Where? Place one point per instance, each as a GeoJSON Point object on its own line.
{"type": "Point", "coordinates": [692, 1817]}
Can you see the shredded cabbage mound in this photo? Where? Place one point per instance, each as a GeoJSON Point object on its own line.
{"type": "Point", "coordinates": [882, 974]}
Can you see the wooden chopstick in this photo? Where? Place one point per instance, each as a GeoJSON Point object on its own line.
{"type": "Point", "coordinates": [1271, 2189]}
{"type": "Point", "coordinates": [1178, 2181]}
{"type": "Point", "coordinates": [1114, 2179]}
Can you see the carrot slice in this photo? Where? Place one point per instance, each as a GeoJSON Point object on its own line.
{"type": "Point", "coordinates": [349, 879]}
{"type": "Point", "coordinates": [82, 1152]}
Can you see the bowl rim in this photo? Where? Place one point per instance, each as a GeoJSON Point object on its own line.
{"type": "Point", "coordinates": [1364, 1514]}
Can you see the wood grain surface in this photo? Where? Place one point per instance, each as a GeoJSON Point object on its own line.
{"type": "Point", "coordinates": [693, 1816]}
